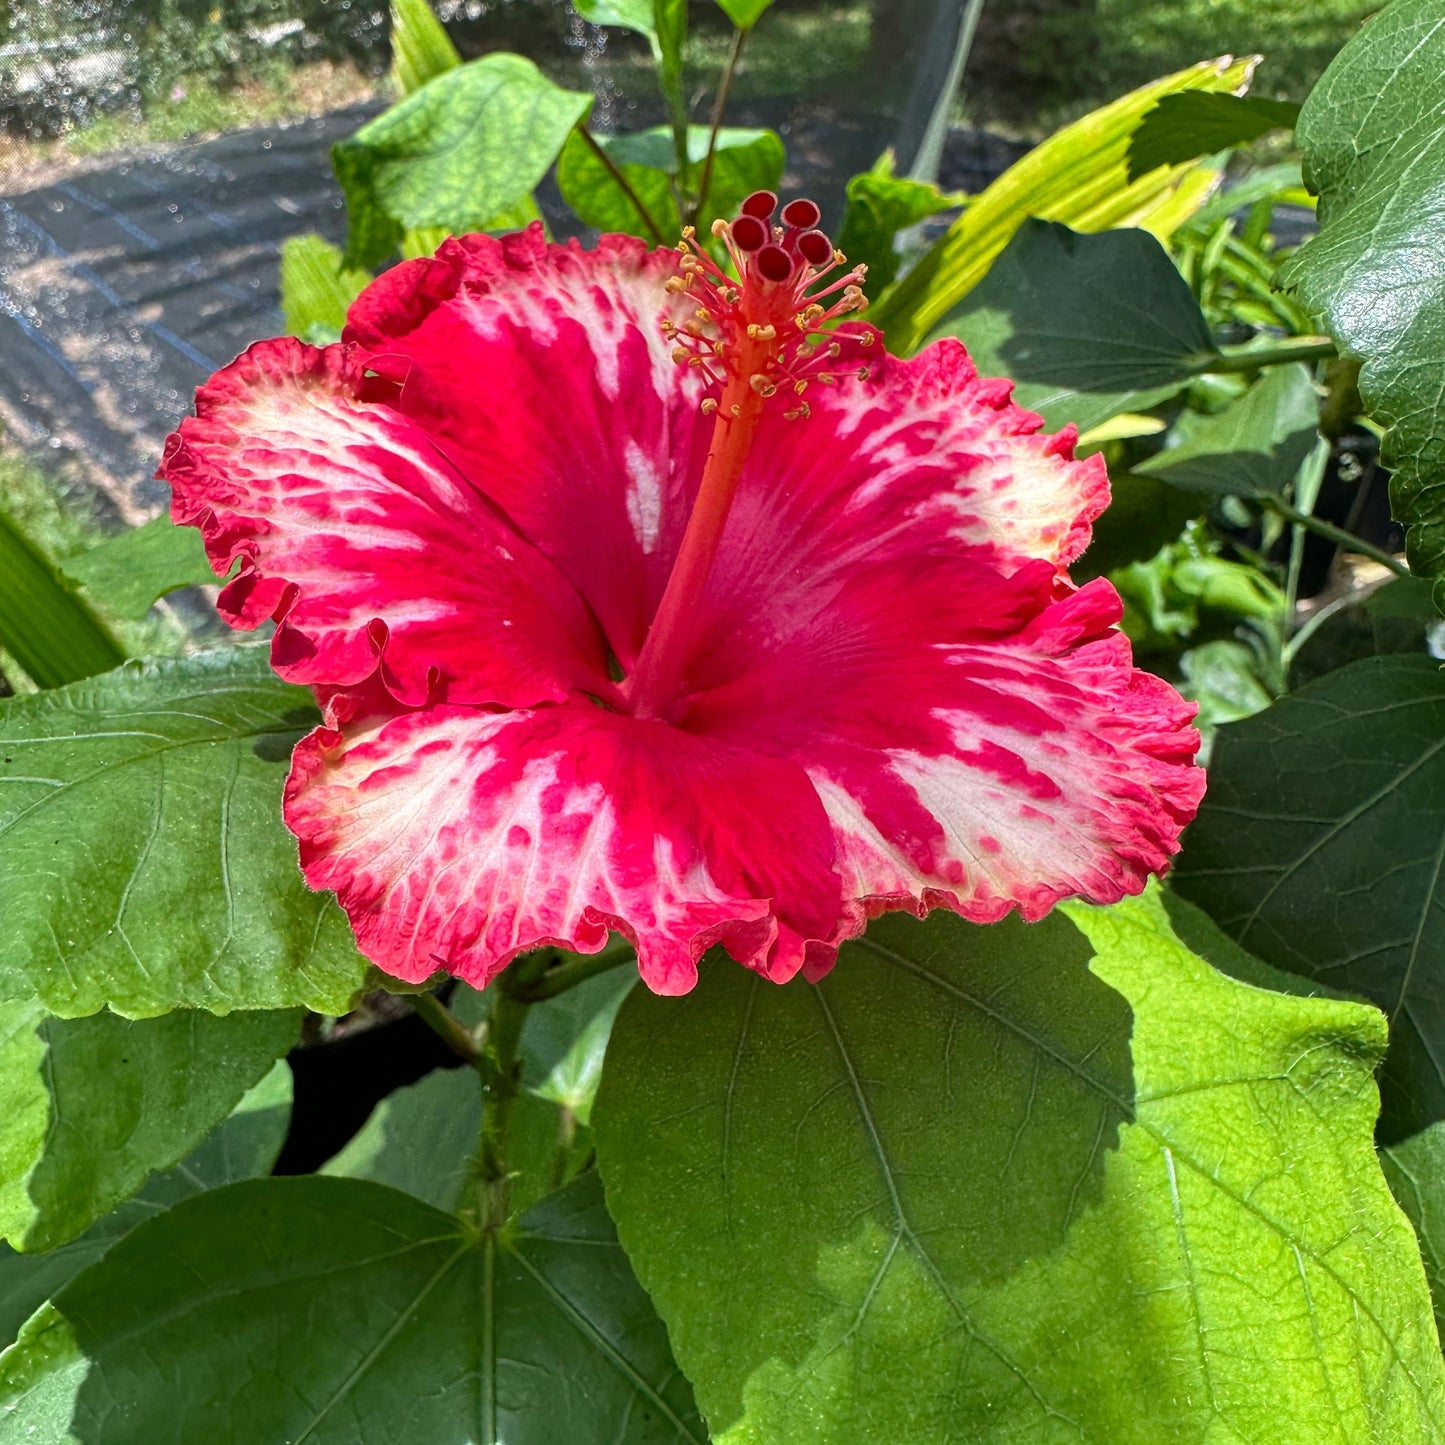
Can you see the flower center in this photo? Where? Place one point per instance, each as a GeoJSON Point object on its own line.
{"type": "Point", "coordinates": [767, 332]}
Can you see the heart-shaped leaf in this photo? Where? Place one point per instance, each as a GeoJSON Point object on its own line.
{"type": "Point", "coordinates": [928, 1200]}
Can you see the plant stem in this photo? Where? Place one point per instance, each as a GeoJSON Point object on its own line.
{"type": "Point", "coordinates": [624, 185]}
{"type": "Point", "coordinates": [443, 1022]}
{"type": "Point", "coordinates": [574, 970]}
{"type": "Point", "coordinates": [724, 90]}
{"type": "Point", "coordinates": [1298, 348]}
{"type": "Point", "coordinates": [1347, 541]}
{"type": "Point", "coordinates": [501, 1070]}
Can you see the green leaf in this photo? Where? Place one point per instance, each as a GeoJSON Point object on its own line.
{"type": "Point", "coordinates": [880, 204]}
{"type": "Point", "coordinates": [744, 13]}
{"type": "Point", "coordinates": [127, 573]}
{"type": "Point", "coordinates": [50, 632]}
{"type": "Point", "coordinates": [243, 1146]}
{"type": "Point", "coordinates": [1087, 326]}
{"type": "Point", "coordinates": [1253, 448]}
{"type": "Point", "coordinates": [422, 1138]}
{"type": "Point", "coordinates": [317, 286]}
{"type": "Point", "coordinates": [334, 1311]}
{"type": "Point", "coordinates": [928, 1200]}
{"type": "Point", "coordinates": [1319, 848]}
{"type": "Point", "coordinates": [92, 1106]}
{"type": "Point", "coordinates": [746, 161]}
{"type": "Point", "coordinates": [571, 1082]}
{"type": "Point", "coordinates": [466, 147]}
{"type": "Point", "coordinates": [1415, 1171]}
{"type": "Point", "coordinates": [1223, 678]}
{"type": "Point", "coordinates": [1197, 123]}
{"type": "Point", "coordinates": [1078, 176]}
{"type": "Point", "coordinates": [421, 49]}
{"type": "Point", "coordinates": [669, 26]}
{"type": "Point", "coordinates": [1373, 137]}
{"type": "Point", "coordinates": [625, 14]}
{"type": "Point", "coordinates": [143, 863]}
{"type": "Point", "coordinates": [419, 1139]}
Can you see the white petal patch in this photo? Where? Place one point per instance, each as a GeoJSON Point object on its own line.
{"type": "Point", "coordinates": [644, 497]}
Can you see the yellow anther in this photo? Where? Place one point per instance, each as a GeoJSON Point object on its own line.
{"type": "Point", "coordinates": [709, 405]}
{"type": "Point", "coordinates": [688, 232]}
{"type": "Point", "coordinates": [761, 333]}
{"type": "Point", "coordinates": [736, 410]}
{"type": "Point", "coordinates": [834, 349]}
{"type": "Point", "coordinates": [761, 384]}
{"type": "Point", "coordinates": [866, 339]}
{"type": "Point", "coordinates": [681, 353]}
{"type": "Point", "coordinates": [674, 284]}
{"type": "Point", "coordinates": [800, 387]}
{"type": "Point", "coordinates": [800, 411]}
{"type": "Point", "coordinates": [719, 228]}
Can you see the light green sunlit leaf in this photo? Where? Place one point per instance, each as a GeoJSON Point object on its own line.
{"type": "Point", "coordinates": [1033, 1184]}
{"type": "Point", "coordinates": [143, 862]}
{"type": "Point", "coordinates": [90, 1107]}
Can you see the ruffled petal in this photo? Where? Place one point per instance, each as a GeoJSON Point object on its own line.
{"type": "Point", "coordinates": [543, 371]}
{"type": "Point", "coordinates": [978, 741]}
{"type": "Point", "coordinates": [457, 839]}
{"type": "Point", "coordinates": [364, 543]}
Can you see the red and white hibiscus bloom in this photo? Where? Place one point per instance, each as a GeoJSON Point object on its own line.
{"type": "Point", "coordinates": [638, 598]}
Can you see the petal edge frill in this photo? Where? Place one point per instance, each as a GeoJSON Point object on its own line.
{"type": "Point", "coordinates": [456, 838]}
{"type": "Point", "coordinates": [364, 543]}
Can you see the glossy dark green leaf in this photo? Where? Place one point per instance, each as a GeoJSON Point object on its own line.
{"type": "Point", "coordinates": [143, 863]}
{"type": "Point", "coordinates": [318, 287]}
{"type": "Point", "coordinates": [468, 146]}
{"type": "Point", "coordinates": [332, 1310]}
{"type": "Point", "coordinates": [929, 1200]}
{"type": "Point", "coordinates": [880, 205]}
{"type": "Point", "coordinates": [127, 573]}
{"type": "Point", "coordinates": [53, 634]}
{"type": "Point", "coordinates": [1373, 137]}
{"type": "Point", "coordinates": [746, 161]}
{"type": "Point", "coordinates": [1319, 847]}
{"type": "Point", "coordinates": [1087, 326]}
{"type": "Point", "coordinates": [1196, 123]}
{"type": "Point", "coordinates": [243, 1146]}
{"type": "Point", "coordinates": [1078, 176]}
{"type": "Point", "coordinates": [89, 1107]}
{"type": "Point", "coordinates": [1253, 448]}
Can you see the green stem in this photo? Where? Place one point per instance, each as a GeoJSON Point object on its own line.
{"type": "Point", "coordinates": [443, 1022]}
{"type": "Point", "coordinates": [625, 186]}
{"type": "Point", "coordinates": [1298, 348]}
{"type": "Point", "coordinates": [500, 1067]}
{"type": "Point", "coordinates": [574, 969]}
{"type": "Point", "coordinates": [724, 90]}
{"type": "Point", "coordinates": [1341, 538]}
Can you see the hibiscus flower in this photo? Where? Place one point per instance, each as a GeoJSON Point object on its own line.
{"type": "Point", "coordinates": [643, 597]}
